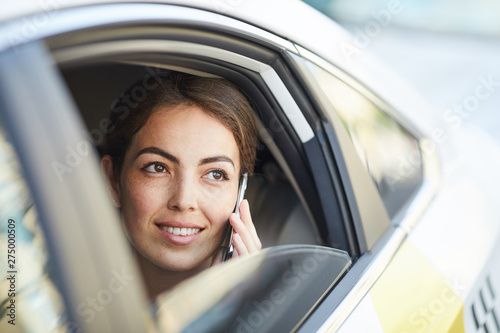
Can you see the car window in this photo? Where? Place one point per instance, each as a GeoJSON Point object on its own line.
{"type": "Point", "coordinates": [388, 151]}
{"type": "Point", "coordinates": [30, 300]}
{"type": "Point", "coordinates": [270, 291]}
{"type": "Point", "coordinates": [96, 88]}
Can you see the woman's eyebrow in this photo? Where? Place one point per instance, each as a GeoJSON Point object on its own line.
{"type": "Point", "coordinates": [220, 158]}
{"type": "Point", "coordinates": [158, 151]}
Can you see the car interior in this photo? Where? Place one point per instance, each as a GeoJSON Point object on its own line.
{"type": "Point", "coordinates": [278, 212]}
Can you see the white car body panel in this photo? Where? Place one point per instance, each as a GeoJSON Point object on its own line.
{"type": "Point", "coordinates": [363, 319]}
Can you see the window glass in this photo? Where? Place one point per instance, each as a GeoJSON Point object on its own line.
{"type": "Point", "coordinates": [30, 301]}
{"type": "Point", "coordinates": [270, 291]}
{"type": "Point", "coordinates": [390, 154]}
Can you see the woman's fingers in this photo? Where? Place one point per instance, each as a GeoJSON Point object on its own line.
{"type": "Point", "coordinates": [245, 239]}
{"type": "Point", "coordinates": [246, 217]}
{"type": "Point", "coordinates": [247, 243]}
{"type": "Point", "coordinates": [240, 248]}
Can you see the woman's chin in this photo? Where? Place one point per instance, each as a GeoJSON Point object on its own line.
{"type": "Point", "coordinates": [186, 264]}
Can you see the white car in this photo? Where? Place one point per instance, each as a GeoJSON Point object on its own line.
{"type": "Point", "coordinates": [373, 219]}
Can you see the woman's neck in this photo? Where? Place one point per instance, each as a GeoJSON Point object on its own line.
{"type": "Point", "coordinates": [158, 279]}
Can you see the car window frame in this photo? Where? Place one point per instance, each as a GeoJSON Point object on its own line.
{"type": "Point", "coordinates": [313, 149]}
{"type": "Point", "coordinates": [318, 146]}
{"type": "Point", "coordinates": [270, 69]}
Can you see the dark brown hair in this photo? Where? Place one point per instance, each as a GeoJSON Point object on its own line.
{"type": "Point", "coordinates": [217, 97]}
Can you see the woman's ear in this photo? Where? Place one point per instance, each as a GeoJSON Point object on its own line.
{"type": "Point", "coordinates": [111, 180]}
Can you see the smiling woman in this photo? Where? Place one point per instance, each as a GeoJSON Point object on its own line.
{"type": "Point", "coordinates": [173, 163]}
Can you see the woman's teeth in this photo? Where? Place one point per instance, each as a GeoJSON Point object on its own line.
{"type": "Point", "coordinates": [181, 231]}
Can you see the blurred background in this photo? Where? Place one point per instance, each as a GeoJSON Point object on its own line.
{"type": "Point", "coordinates": [449, 50]}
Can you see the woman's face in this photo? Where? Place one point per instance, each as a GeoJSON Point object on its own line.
{"type": "Point", "coordinates": [178, 187]}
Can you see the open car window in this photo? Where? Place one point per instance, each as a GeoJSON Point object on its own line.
{"type": "Point", "coordinates": [277, 210]}
{"type": "Point", "coordinates": [285, 193]}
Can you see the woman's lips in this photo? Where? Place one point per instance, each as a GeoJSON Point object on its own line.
{"type": "Point", "coordinates": [179, 235]}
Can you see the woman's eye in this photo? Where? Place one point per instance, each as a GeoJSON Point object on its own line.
{"type": "Point", "coordinates": [218, 175]}
{"type": "Point", "coordinates": [155, 168]}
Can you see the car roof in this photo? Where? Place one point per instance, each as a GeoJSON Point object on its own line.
{"type": "Point", "coordinates": [261, 13]}
{"type": "Point", "coordinates": [289, 19]}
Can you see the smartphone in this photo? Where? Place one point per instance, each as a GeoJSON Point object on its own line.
{"type": "Point", "coordinates": [228, 241]}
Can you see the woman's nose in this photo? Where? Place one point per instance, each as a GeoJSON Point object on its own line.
{"type": "Point", "coordinates": [182, 195]}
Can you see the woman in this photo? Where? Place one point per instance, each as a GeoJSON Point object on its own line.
{"type": "Point", "coordinates": [173, 163]}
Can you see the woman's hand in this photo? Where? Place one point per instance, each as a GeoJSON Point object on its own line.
{"type": "Point", "coordinates": [245, 239]}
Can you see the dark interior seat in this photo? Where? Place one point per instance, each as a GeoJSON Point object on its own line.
{"type": "Point", "coordinates": [277, 212]}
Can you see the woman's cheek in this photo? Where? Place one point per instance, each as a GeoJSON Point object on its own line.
{"type": "Point", "coordinates": [218, 203]}
{"type": "Point", "coordinates": [139, 199]}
